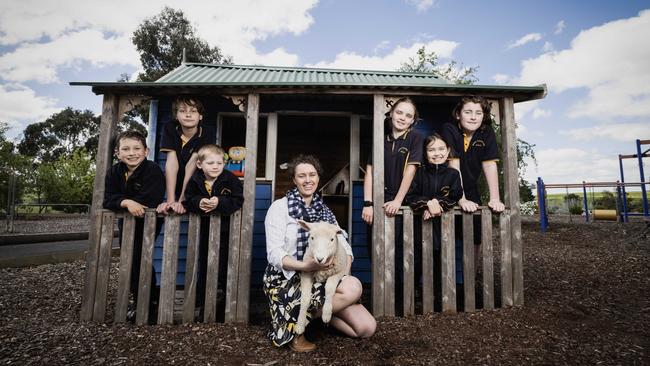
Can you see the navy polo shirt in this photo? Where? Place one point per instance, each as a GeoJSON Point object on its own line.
{"type": "Point", "coordinates": [171, 141]}
{"type": "Point", "coordinates": [481, 147]}
{"type": "Point", "coordinates": [398, 153]}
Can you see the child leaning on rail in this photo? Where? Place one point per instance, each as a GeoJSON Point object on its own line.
{"type": "Point", "coordinates": [212, 190]}
{"type": "Point", "coordinates": [134, 184]}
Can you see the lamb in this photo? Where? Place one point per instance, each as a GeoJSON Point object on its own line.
{"type": "Point", "coordinates": [323, 244]}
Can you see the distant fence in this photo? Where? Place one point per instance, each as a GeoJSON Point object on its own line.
{"type": "Point", "coordinates": [12, 214]}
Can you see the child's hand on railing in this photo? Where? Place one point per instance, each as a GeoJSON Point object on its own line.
{"type": "Point", "coordinates": [133, 207]}
{"type": "Point", "coordinates": [177, 207]}
{"type": "Point", "coordinates": [467, 205]}
{"type": "Point", "coordinates": [496, 205]}
{"type": "Point", "coordinates": [208, 204]}
{"type": "Point", "coordinates": [433, 208]}
{"type": "Point", "coordinates": [367, 214]}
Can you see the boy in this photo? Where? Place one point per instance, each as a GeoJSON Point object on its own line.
{"type": "Point", "coordinates": [213, 190]}
{"type": "Point", "coordinates": [134, 183]}
{"type": "Point", "coordinates": [181, 139]}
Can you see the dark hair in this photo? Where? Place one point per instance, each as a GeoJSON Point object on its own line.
{"type": "Point", "coordinates": [433, 137]}
{"type": "Point", "coordinates": [130, 134]}
{"type": "Point", "coordinates": [404, 100]}
{"type": "Point", "coordinates": [485, 106]}
{"type": "Point", "coordinates": [304, 159]}
{"type": "Point", "coordinates": [189, 100]}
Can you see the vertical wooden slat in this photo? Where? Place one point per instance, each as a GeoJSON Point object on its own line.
{"type": "Point", "coordinates": [103, 265]}
{"type": "Point", "coordinates": [212, 280]}
{"type": "Point", "coordinates": [233, 268]}
{"type": "Point", "coordinates": [126, 263]}
{"type": "Point", "coordinates": [248, 209]}
{"type": "Point", "coordinates": [511, 189]}
{"type": "Point", "coordinates": [409, 270]}
{"type": "Point", "coordinates": [378, 258]}
{"type": "Point", "coordinates": [488, 261]}
{"type": "Point", "coordinates": [506, 259]}
{"type": "Point", "coordinates": [427, 266]}
{"type": "Point", "coordinates": [468, 262]}
{"type": "Point", "coordinates": [169, 265]}
{"type": "Point", "coordinates": [355, 141]}
{"type": "Point", "coordinates": [146, 267]}
{"type": "Point", "coordinates": [107, 129]}
{"type": "Point", "coordinates": [271, 146]}
{"type": "Point", "coordinates": [191, 267]}
{"type": "Point", "coordinates": [389, 266]}
{"type": "Point", "coordinates": [448, 263]}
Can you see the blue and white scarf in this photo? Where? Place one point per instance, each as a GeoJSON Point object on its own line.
{"type": "Point", "coordinates": [316, 212]}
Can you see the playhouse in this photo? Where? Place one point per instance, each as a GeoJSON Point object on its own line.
{"type": "Point", "coordinates": [270, 114]}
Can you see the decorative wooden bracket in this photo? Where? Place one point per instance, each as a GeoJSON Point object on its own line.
{"type": "Point", "coordinates": [129, 102]}
{"type": "Point", "coordinates": [238, 101]}
{"type": "Point", "coordinates": [389, 101]}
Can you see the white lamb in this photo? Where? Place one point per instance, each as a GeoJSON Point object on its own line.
{"type": "Point", "coordinates": [323, 244]}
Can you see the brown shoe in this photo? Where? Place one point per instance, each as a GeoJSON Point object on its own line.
{"type": "Point", "coordinates": [301, 344]}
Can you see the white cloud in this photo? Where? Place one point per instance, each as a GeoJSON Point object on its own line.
{"type": "Point", "coordinates": [540, 113]}
{"type": "Point", "coordinates": [49, 35]}
{"type": "Point", "coordinates": [381, 46]}
{"type": "Point", "coordinates": [501, 78]}
{"type": "Point", "coordinates": [607, 62]}
{"type": "Point", "coordinates": [625, 132]}
{"type": "Point", "coordinates": [390, 61]}
{"type": "Point", "coordinates": [20, 103]}
{"type": "Point", "coordinates": [422, 5]}
{"type": "Point", "coordinates": [559, 27]}
{"type": "Point", "coordinates": [530, 37]}
{"type": "Point", "coordinates": [548, 47]}
{"type": "Point", "coordinates": [572, 165]}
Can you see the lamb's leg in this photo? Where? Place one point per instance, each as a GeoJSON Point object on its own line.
{"type": "Point", "coordinates": [330, 289]}
{"type": "Point", "coordinates": [305, 299]}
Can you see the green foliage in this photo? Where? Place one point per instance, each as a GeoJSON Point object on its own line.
{"type": "Point", "coordinates": [606, 201]}
{"type": "Point", "coordinates": [160, 40]}
{"type": "Point", "coordinates": [69, 179]}
{"type": "Point", "coordinates": [60, 135]}
{"type": "Point", "coordinates": [427, 62]}
{"type": "Point", "coordinates": [575, 209]}
{"type": "Point", "coordinates": [13, 166]}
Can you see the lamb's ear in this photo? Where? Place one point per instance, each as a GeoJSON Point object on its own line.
{"type": "Point", "coordinates": [337, 228]}
{"type": "Point", "coordinates": [304, 225]}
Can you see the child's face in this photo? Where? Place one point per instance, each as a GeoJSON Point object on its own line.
{"type": "Point", "coordinates": [471, 117]}
{"type": "Point", "coordinates": [306, 179]}
{"type": "Point", "coordinates": [402, 117]}
{"type": "Point", "coordinates": [131, 152]}
{"type": "Point", "coordinates": [437, 152]}
{"type": "Point", "coordinates": [212, 165]}
{"type": "Point", "coordinates": [188, 116]}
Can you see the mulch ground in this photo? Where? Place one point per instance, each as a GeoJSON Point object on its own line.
{"type": "Point", "coordinates": [587, 295]}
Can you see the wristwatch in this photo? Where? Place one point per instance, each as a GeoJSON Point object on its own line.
{"type": "Point", "coordinates": [367, 203]}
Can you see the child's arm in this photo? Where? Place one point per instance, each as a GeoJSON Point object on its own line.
{"type": "Point", "coordinates": [391, 207]}
{"type": "Point", "coordinates": [135, 208]}
{"type": "Point", "coordinates": [112, 195]}
{"type": "Point", "coordinates": [492, 177]}
{"type": "Point", "coordinates": [171, 172]}
{"type": "Point", "coordinates": [190, 168]}
{"type": "Point", "coordinates": [367, 212]}
{"type": "Point", "coordinates": [192, 202]}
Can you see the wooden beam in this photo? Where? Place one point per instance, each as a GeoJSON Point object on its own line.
{"type": "Point", "coordinates": [107, 129]}
{"type": "Point", "coordinates": [427, 267]}
{"type": "Point", "coordinates": [212, 273]}
{"type": "Point", "coordinates": [506, 259]}
{"type": "Point", "coordinates": [169, 266]}
{"type": "Point", "coordinates": [355, 142]}
{"type": "Point", "coordinates": [448, 262]}
{"type": "Point", "coordinates": [378, 257]}
{"type": "Point", "coordinates": [152, 129]}
{"type": "Point", "coordinates": [511, 190]}
{"type": "Point", "coordinates": [248, 209]}
{"type": "Point", "coordinates": [469, 286]}
{"type": "Point", "coordinates": [488, 260]}
{"type": "Point", "coordinates": [146, 267]}
{"type": "Point", "coordinates": [126, 263]}
{"type": "Point", "coordinates": [389, 266]}
{"type": "Point", "coordinates": [271, 149]}
{"type": "Point", "coordinates": [233, 268]}
{"type": "Point", "coordinates": [408, 294]}
{"type": "Point", "coordinates": [103, 266]}
{"type": "Point", "coordinates": [191, 267]}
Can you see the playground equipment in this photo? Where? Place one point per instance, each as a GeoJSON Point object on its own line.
{"type": "Point", "coordinates": [621, 212]}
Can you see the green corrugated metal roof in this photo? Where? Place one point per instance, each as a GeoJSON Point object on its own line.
{"type": "Point", "coordinates": [189, 77]}
{"type": "Point", "coordinates": [298, 76]}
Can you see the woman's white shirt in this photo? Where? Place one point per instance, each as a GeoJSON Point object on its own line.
{"type": "Point", "coordinates": [282, 236]}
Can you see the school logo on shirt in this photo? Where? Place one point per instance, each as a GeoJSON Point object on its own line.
{"type": "Point", "coordinates": [445, 191]}
{"type": "Point", "coordinates": [479, 143]}
{"type": "Point", "coordinates": [403, 150]}
{"type": "Point", "coordinates": [137, 186]}
{"type": "Point", "coordinates": [225, 192]}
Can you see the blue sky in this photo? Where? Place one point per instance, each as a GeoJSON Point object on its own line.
{"type": "Point", "coordinates": [593, 56]}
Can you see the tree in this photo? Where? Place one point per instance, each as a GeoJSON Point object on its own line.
{"type": "Point", "coordinates": [160, 40]}
{"type": "Point", "coordinates": [13, 167]}
{"type": "Point", "coordinates": [60, 135]}
{"type": "Point", "coordinates": [68, 179]}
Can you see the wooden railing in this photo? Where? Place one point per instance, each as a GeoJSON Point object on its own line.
{"type": "Point", "coordinates": [385, 263]}
{"type": "Point", "coordinates": [169, 268]}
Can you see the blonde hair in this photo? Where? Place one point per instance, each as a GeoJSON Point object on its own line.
{"type": "Point", "coordinates": [209, 149]}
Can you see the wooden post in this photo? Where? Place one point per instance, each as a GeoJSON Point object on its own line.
{"type": "Point", "coordinates": [389, 266]}
{"type": "Point", "coordinates": [506, 259]}
{"type": "Point", "coordinates": [469, 286]}
{"type": "Point", "coordinates": [152, 128]}
{"type": "Point", "coordinates": [271, 149]}
{"type": "Point", "coordinates": [191, 267]}
{"type": "Point", "coordinates": [146, 267]}
{"type": "Point", "coordinates": [107, 129]}
{"type": "Point", "coordinates": [355, 141]}
{"type": "Point", "coordinates": [126, 263]}
{"type": "Point", "coordinates": [378, 258]}
{"type": "Point", "coordinates": [409, 270]}
{"type": "Point", "coordinates": [248, 209]}
{"type": "Point", "coordinates": [212, 280]}
{"type": "Point", "coordinates": [169, 265]}
{"type": "Point", "coordinates": [448, 262]}
{"type": "Point", "coordinates": [103, 265]}
{"type": "Point", "coordinates": [233, 268]}
{"type": "Point", "coordinates": [488, 264]}
{"type": "Point", "coordinates": [511, 190]}
{"type": "Point", "coordinates": [427, 266]}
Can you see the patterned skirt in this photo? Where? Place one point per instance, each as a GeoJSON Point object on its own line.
{"type": "Point", "coordinates": [284, 302]}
